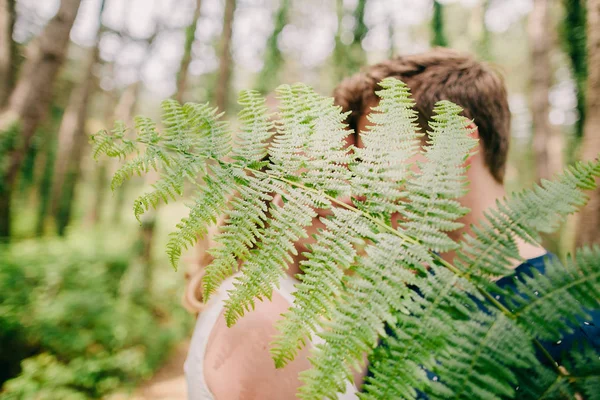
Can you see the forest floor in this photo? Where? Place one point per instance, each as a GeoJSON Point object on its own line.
{"type": "Point", "coordinates": [167, 384]}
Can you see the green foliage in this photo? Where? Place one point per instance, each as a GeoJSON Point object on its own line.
{"type": "Point", "coordinates": [437, 26]}
{"type": "Point", "coordinates": [68, 317]}
{"type": "Point", "coordinates": [365, 277]}
{"type": "Point", "coordinates": [349, 56]}
{"type": "Point", "coordinates": [273, 59]}
{"type": "Point", "coordinates": [574, 40]}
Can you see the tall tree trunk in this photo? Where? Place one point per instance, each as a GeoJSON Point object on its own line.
{"type": "Point", "coordinates": [44, 187]}
{"type": "Point", "coordinates": [273, 60]}
{"type": "Point", "coordinates": [190, 35]}
{"type": "Point", "coordinates": [339, 51]}
{"type": "Point", "coordinates": [546, 140]}
{"type": "Point", "coordinates": [72, 142]}
{"type": "Point", "coordinates": [28, 102]}
{"type": "Point", "coordinates": [392, 34]}
{"type": "Point", "coordinates": [438, 35]}
{"type": "Point", "coordinates": [8, 50]}
{"type": "Point", "coordinates": [358, 57]}
{"type": "Point", "coordinates": [574, 42]}
{"type": "Point", "coordinates": [72, 139]}
{"type": "Point", "coordinates": [224, 76]}
{"type": "Point", "coordinates": [589, 225]}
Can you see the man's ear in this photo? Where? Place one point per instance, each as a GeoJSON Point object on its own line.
{"type": "Point", "coordinates": [474, 133]}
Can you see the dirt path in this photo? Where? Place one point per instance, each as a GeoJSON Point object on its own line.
{"type": "Point", "coordinates": [167, 384]}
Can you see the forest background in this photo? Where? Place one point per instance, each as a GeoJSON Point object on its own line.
{"type": "Point", "coordinates": [88, 303]}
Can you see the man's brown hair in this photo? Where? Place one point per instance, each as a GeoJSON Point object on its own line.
{"type": "Point", "coordinates": [440, 74]}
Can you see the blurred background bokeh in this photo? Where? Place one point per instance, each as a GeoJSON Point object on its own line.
{"type": "Point", "coordinates": [89, 307]}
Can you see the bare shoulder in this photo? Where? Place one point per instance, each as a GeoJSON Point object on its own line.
{"type": "Point", "coordinates": [237, 363]}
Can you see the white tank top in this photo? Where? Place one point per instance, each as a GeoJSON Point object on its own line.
{"type": "Point", "coordinates": [194, 364]}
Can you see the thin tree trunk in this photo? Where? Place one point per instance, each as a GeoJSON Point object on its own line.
{"type": "Point", "coordinates": [190, 36]}
{"type": "Point", "coordinates": [348, 58]}
{"type": "Point", "coordinates": [339, 51]}
{"type": "Point", "coordinates": [546, 141]}
{"type": "Point", "coordinates": [574, 41]}
{"type": "Point", "coordinates": [589, 225]}
{"type": "Point", "coordinates": [8, 50]}
{"type": "Point", "coordinates": [224, 76]}
{"type": "Point", "coordinates": [360, 32]}
{"type": "Point", "coordinates": [392, 34]}
{"type": "Point", "coordinates": [73, 139]}
{"type": "Point", "coordinates": [273, 60]}
{"type": "Point", "coordinates": [44, 186]}
{"type": "Point", "coordinates": [147, 239]}
{"type": "Point", "coordinates": [28, 102]}
{"type": "Point", "coordinates": [438, 35]}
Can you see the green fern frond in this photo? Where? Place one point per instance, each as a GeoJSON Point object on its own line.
{"type": "Point", "coordinates": [376, 289]}
{"type": "Point", "coordinates": [245, 222]}
{"type": "Point", "coordinates": [286, 151]}
{"type": "Point", "coordinates": [419, 332]}
{"type": "Point", "coordinates": [432, 208]}
{"type": "Point", "coordinates": [583, 380]}
{"type": "Point", "coordinates": [432, 211]}
{"type": "Point", "coordinates": [113, 143]}
{"type": "Point", "coordinates": [209, 135]}
{"type": "Point", "coordinates": [266, 264]}
{"type": "Point", "coordinates": [434, 316]}
{"type": "Point", "coordinates": [322, 281]}
{"type": "Point", "coordinates": [480, 358]}
{"type": "Point", "coordinates": [492, 249]}
{"type": "Point", "coordinates": [256, 131]}
{"type": "Point", "coordinates": [170, 186]}
{"type": "Point", "coordinates": [148, 158]}
{"type": "Point", "coordinates": [210, 203]}
{"type": "Point", "coordinates": [557, 297]}
{"type": "Point", "coordinates": [388, 145]}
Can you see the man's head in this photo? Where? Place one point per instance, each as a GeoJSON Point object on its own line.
{"type": "Point", "coordinates": [440, 74]}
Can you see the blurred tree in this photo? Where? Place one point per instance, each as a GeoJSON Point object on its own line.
{"type": "Point", "coordinates": [48, 161]}
{"type": "Point", "coordinates": [29, 101]}
{"type": "Point", "coordinates": [480, 32]}
{"type": "Point", "coordinates": [269, 74]}
{"type": "Point", "coordinates": [190, 36]}
{"type": "Point", "coordinates": [8, 50]}
{"type": "Point", "coordinates": [438, 37]}
{"type": "Point", "coordinates": [574, 42]}
{"type": "Point", "coordinates": [545, 139]}
{"type": "Point", "coordinates": [589, 226]}
{"type": "Point", "coordinates": [392, 35]}
{"type": "Point", "coordinates": [349, 56]}
{"type": "Point", "coordinates": [72, 137]}
{"type": "Point", "coordinates": [225, 61]}
{"type": "Point", "coordinates": [101, 179]}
